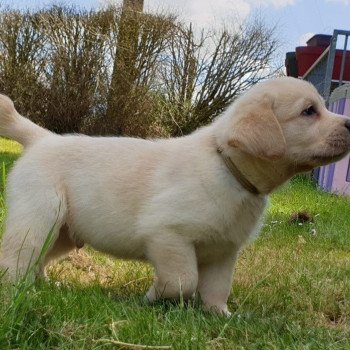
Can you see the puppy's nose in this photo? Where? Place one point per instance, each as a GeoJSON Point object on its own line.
{"type": "Point", "coordinates": [347, 124]}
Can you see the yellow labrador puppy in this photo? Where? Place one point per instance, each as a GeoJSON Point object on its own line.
{"type": "Point", "coordinates": [186, 205]}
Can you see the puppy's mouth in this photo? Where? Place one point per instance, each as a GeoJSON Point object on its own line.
{"type": "Point", "coordinates": [327, 158]}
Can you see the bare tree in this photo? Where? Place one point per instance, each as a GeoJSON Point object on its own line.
{"type": "Point", "coordinates": [141, 40]}
{"type": "Point", "coordinates": [121, 71]}
{"type": "Point", "coordinates": [205, 72]}
{"type": "Point", "coordinates": [124, 70]}
{"type": "Point", "coordinates": [75, 50]}
{"type": "Point", "coordinates": [22, 60]}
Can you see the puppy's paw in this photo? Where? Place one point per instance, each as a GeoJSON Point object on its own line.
{"type": "Point", "coordinates": [150, 296]}
{"type": "Point", "coordinates": [226, 313]}
{"type": "Point", "coordinates": [221, 310]}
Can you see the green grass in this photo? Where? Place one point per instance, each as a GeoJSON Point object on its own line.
{"type": "Point", "coordinates": [291, 291]}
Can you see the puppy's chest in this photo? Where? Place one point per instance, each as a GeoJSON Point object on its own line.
{"type": "Point", "coordinates": [243, 218]}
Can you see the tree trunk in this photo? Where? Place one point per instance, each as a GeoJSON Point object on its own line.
{"type": "Point", "coordinates": [124, 71]}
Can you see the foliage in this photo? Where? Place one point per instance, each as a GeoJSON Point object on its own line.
{"type": "Point", "coordinates": [118, 71]}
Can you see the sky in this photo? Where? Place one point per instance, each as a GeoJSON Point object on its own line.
{"type": "Point", "coordinates": [295, 20]}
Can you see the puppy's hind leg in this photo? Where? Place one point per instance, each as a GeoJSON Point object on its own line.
{"type": "Point", "coordinates": [63, 245]}
{"type": "Point", "coordinates": [34, 219]}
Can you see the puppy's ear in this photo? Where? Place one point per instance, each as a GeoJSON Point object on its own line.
{"type": "Point", "coordinates": [257, 131]}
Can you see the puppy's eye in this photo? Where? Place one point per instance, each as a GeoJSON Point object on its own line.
{"type": "Point", "coordinates": [308, 112]}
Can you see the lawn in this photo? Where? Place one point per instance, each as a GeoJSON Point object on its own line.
{"type": "Point", "coordinates": [291, 290]}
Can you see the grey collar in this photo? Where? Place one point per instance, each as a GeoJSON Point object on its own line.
{"type": "Point", "coordinates": [237, 173]}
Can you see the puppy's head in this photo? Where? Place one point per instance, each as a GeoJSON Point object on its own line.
{"type": "Point", "coordinates": [286, 120]}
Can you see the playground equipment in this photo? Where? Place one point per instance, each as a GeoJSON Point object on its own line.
{"type": "Point", "coordinates": [335, 177]}
{"type": "Point", "coordinates": [328, 69]}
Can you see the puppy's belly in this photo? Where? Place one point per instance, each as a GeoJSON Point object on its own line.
{"type": "Point", "coordinates": [109, 234]}
{"type": "Point", "coordinates": [118, 243]}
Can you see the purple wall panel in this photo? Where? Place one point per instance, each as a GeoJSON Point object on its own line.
{"type": "Point", "coordinates": [327, 172]}
{"type": "Point", "coordinates": [338, 106]}
{"type": "Point", "coordinates": [347, 108]}
{"type": "Point", "coordinates": [321, 176]}
{"type": "Point", "coordinates": [330, 176]}
{"type": "Point", "coordinates": [341, 105]}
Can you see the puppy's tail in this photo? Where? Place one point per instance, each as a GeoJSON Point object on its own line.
{"type": "Point", "coordinates": [16, 127]}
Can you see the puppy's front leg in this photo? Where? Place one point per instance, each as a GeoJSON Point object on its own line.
{"type": "Point", "coordinates": [214, 284]}
{"type": "Point", "coordinates": [174, 260]}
